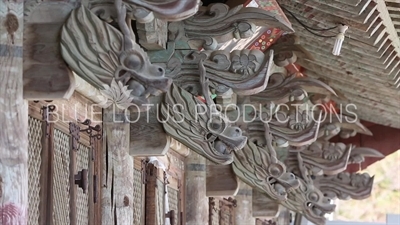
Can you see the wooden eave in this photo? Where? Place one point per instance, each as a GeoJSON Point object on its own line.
{"type": "Point", "coordinates": [393, 7]}
{"type": "Point", "coordinates": [367, 72]}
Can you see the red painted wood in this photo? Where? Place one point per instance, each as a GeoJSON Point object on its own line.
{"type": "Point", "coordinates": [385, 139]}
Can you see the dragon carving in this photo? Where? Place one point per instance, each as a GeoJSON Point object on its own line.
{"type": "Point", "coordinates": [200, 125]}
{"type": "Point", "coordinates": [105, 54]}
{"type": "Point", "coordinates": [283, 152]}
{"type": "Point", "coordinates": [259, 167]}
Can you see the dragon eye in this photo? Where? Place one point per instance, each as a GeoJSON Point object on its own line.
{"type": "Point", "coordinates": [216, 125]}
{"type": "Point", "coordinates": [313, 197]}
{"type": "Point", "coordinates": [133, 62]}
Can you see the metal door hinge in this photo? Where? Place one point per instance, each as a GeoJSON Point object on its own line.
{"type": "Point", "coordinates": [74, 130]}
{"type": "Point", "coordinates": [45, 110]}
{"type": "Point", "coordinates": [92, 136]}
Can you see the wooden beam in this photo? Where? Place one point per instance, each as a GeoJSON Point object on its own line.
{"type": "Point", "coordinates": [385, 58]}
{"type": "Point", "coordinates": [347, 85]}
{"type": "Point", "coordinates": [264, 207]}
{"type": "Point", "coordinates": [384, 14]}
{"type": "Point", "coordinates": [323, 71]}
{"type": "Point", "coordinates": [352, 9]}
{"type": "Point", "coordinates": [328, 17]}
{"type": "Point", "coordinates": [349, 2]}
{"type": "Point", "coordinates": [148, 137]}
{"type": "Point", "coordinates": [350, 44]}
{"type": "Point", "coordinates": [346, 62]}
{"type": "Point", "coordinates": [345, 52]}
{"type": "Point", "coordinates": [13, 117]}
{"type": "Point", "coordinates": [221, 181]}
{"type": "Point", "coordinates": [46, 75]}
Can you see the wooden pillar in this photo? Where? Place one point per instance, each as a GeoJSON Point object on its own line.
{"type": "Point", "coordinates": [13, 117]}
{"type": "Point", "coordinates": [196, 202]}
{"type": "Point", "coordinates": [243, 210]}
{"type": "Point", "coordinates": [117, 188]}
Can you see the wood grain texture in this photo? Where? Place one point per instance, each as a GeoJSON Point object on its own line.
{"type": "Point", "coordinates": [243, 212]}
{"type": "Point", "coordinates": [196, 202]}
{"type": "Point", "coordinates": [117, 188]}
{"type": "Point", "coordinates": [221, 181]}
{"type": "Point", "coordinates": [46, 75]}
{"type": "Point", "coordinates": [14, 118]}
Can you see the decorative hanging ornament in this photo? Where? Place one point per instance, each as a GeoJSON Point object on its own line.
{"type": "Point", "coordinates": [339, 39]}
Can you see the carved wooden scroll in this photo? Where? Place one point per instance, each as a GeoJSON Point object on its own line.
{"type": "Point", "coordinates": [145, 11]}
{"type": "Point", "coordinates": [358, 154]}
{"type": "Point", "coordinates": [322, 158]}
{"type": "Point", "coordinates": [109, 59]}
{"type": "Point", "coordinates": [287, 49]}
{"type": "Point", "coordinates": [246, 72]}
{"type": "Point", "coordinates": [341, 124]}
{"type": "Point", "coordinates": [218, 24]}
{"type": "Point", "coordinates": [346, 186]}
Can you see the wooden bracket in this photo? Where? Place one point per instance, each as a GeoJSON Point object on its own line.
{"type": "Point", "coordinates": [81, 179]}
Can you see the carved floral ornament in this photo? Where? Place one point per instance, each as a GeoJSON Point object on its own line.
{"type": "Point", "coordinates": [283, 152]}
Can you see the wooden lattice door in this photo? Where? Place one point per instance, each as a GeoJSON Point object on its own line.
{"type": "Point", "coordinates": [64, 168]}
{"type": "Point", "coordinates": [221, 211]}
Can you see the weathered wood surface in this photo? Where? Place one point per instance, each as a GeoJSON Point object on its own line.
{"type": "Point", "coordinates": [370, 55]}
{"type": "Point", "coordinates": [46, 75]}
{"type": "Point", "coordinates": [148, 137]}
{"type": "Point", "coordinates": [153, 35]}
{"type": "Point", "coordinates": [221, 181]}
{"type": "Point", "coordinates": [243, 210]}
{"type": "Point", "coordinates": [14, 118]}
{"type": "Point", "coordinates": [263, 207]}
{"type": "Point", "coordinates": [117, 182]}
{"type": "Point", "coordinates": [196, 202]}
{"type": "Point", "coordinates": [151, 195]}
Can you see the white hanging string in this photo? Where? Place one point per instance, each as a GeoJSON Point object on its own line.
{"type": "Point", "coordinates": [154, 160]}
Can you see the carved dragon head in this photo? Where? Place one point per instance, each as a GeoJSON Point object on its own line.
{"type": "Point", "coordinates": [99, 53]}
{"type": "Point", "coordinates": [310, 202]}
{"type": "Point", "coordinates": [260, 168]}
{"type": "Point", "coordinates": [189, 120]}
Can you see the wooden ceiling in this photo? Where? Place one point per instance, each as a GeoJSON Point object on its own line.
{"type": "Point", "coordinates": [367, 72]}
